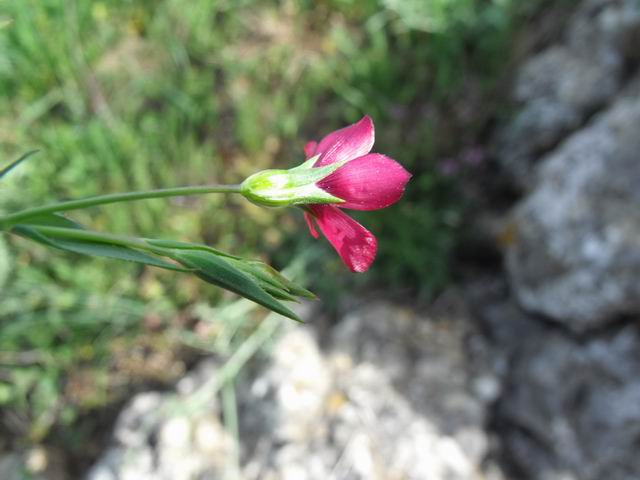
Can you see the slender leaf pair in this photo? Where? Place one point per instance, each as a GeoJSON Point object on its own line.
{"type": "Point", "coordinates": [253, 280]}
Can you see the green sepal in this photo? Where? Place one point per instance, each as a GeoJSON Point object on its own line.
{"type": "Point", "coordinates": [304, 176]}
{"type": "Point", "coordinates": [297, 186]}
{"type": "Point", "coordinates": [307, 164]}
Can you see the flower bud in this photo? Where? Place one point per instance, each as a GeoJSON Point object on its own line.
{"type": "Point", "coordinates": [282, 188]}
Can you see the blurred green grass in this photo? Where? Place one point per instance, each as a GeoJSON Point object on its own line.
{"type": "Point", "coordinates": [125, 95]}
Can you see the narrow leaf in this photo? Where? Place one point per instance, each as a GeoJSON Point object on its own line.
{"type": "Point", "coordinates": [257, 274]}
{"type": "Point", "coordinates": [217, 271]}
{"type": "Point", "coordinates": [174, 244]}
{"type": "Point", "coordinates": [96, 249]}
{"type": "Point", "coordinates": [282, 280]}
{"type": "Point", "coordinates": [54, 220]}
{"type": "Point", "coordinates": [13, 165]}
{"type": "Point", "coordinates": [278, 293]}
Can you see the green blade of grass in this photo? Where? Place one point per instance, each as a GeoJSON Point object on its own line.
{"type": "Point", "coordinates": [17, 162]}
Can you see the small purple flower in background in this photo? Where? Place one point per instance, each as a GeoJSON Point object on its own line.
{"type": "Point", "coordinates": [449, 167]}
{"type": "Point", "coordinates": [469, 159]}
{"type": "Point", "coordinates": [474, 156]}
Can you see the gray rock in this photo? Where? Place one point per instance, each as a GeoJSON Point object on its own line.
{"type": "Point", "coordinates": [557, 90]}
{"type": "Point", "coordinates": [577, 254]}
{"type": "Point", "coordinates": [571, 409]}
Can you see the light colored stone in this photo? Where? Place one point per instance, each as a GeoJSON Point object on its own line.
{"type": "Point", "coordinates": [164, 437]}
{"type": "Point", "coordinates": [396, 402]}
{"type": "Point", "coordinates": [390, 396]}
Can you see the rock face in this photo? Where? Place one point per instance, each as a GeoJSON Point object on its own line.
{"type": "Point", "coordinates": [558, 89]}
{"type": "Point", "coordinates": [569, 404]}
{"type": "Point", "coordinates": [571, 389]}
{"type": "Point", "coordinates": [571, 410]}
{"type": "Point", "coordinates": [574, 144]}
{"type": "Point", "coordinates": [577, 254]}
{"type": "Point", "coordinates": [392, 395]}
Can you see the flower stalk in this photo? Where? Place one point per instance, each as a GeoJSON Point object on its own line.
{"type": "Point", "coordinates": [23, 216]}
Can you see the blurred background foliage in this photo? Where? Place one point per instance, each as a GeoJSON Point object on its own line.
{"type": "Point", "coordinates": [127, 95]}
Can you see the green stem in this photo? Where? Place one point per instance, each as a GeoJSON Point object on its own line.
{"type": "Point", "coordinates": [18, 217]}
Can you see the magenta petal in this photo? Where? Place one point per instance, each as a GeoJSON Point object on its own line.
{"type": "Point", "coordinates": [355, 244]}
{"type": "Point", "coordinates": [367, 183]}
{"type": "Point", "coordinates": [310, 149]}
{"type": "Point", "coordinates": [347, 143]}
{"type": "Point", "coordinates": [309, 218]}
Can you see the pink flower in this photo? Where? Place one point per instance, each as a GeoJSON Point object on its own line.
{"type": "Point", "coordinates": [367, 181]}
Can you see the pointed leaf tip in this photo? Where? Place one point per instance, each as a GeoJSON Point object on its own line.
{"type": "Point", "coordinates": [218, 271]}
